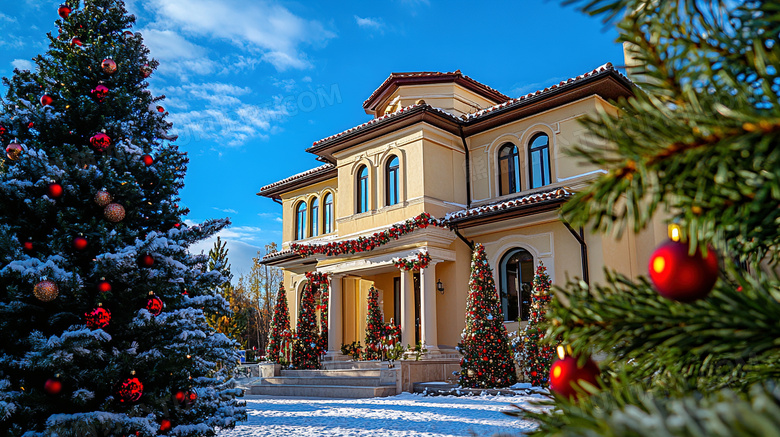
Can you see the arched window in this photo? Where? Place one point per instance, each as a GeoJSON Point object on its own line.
{"type": "Point", "coordinates": [391, 181]}
{"type": "Point", "coordinates": [517, 274]}
{"type": "Point", "coordinates": [539, 159]}
{"type": "Point", "coordinates": [362, 189]}
{"type": "Point", "coordinates": [508, 169]}
{"type": "Point", "coordinates": [315, 217]}
{"type": "Point", "coordinates": [327, 214]}
{"type": "Point", "coordinates": [300, 221]}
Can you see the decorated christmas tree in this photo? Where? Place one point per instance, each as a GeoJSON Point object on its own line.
{"type": "Point", "coordinates": [374, 327]}
{"type": "Point", "coordinates": [103, 310]}
{"type": "Point", "coordinates": [305, 349]}
{"type": "Point", "coordinates": [280, 328]}
{"type": "Point", "coordinates": [487, 357]}
{"type": "Point", "coordinates": [691, 348]}
{"type": "Point", "coordinates": [534, 357]}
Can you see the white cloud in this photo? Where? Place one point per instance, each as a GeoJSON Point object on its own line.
{"type": "Point", "coordinates": [22, 64]}
{"type": "Point", "coordinates": [279, 219]}
{"type": "Point", "coordinates": [522, 89]}
{"type": "Point", "coordinates": [4, 17]}
{"type": "Point", "coordinates": [369, 23]}
{"type": "Point", "coordinates": [177, 55]}
{"type": "Point", "coordinates": [269, 28]}
{"type": "Point", "coordinates": [226, 210]}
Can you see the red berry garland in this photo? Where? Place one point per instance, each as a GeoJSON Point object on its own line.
{"type": "Point", "coordinates": [420, 262]}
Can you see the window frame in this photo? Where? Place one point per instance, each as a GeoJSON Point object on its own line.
{"type": "Point", "coordinates": [540, 149]}
{"type": "Point", "coordinates": [363, 199]}
{"type": "Point", "coordinates": [300, 220]}
{"type": "Point", "coordinates": [513, 169]}
{"type": "Point", "coordinates": [392, 181]}
{"type": "Point", "coordinates": [314, 219]}
{"type": "Point", "coordinates": [327, 213]}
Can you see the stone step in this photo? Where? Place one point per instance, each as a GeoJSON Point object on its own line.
{"type": "Point", "coordinates": [339, 373]}
{"type": "Point", "coordinates": [354, 365]}
{"type": "Point", "coordinates": [327, 380]}
{"type": "Point", "coordinates": [323, 391]}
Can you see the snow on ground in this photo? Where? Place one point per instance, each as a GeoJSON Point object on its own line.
{"type": "Point", "coordinates": [402, 415]}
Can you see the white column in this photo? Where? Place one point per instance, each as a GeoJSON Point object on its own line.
{"type": "Point", "coordinates": [428, 332]}
{"type": "Point", "coordinates": [407, 309]}
{"type": "Point", "coordinates": [335, 318]}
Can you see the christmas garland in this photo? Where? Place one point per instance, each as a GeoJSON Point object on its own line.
{"type": "Point", "coordinates": [419, 262]}
{"type": "Point", "coordinates": [319, 281]}
{"type": "Point", "coordinates": [363, 244]}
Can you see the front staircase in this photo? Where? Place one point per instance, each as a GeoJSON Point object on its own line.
{"type": "Point", "coordinates": [338, 380]}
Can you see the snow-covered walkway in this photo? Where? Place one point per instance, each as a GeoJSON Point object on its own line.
{"type": "Point", "coordinates": [402, 415]}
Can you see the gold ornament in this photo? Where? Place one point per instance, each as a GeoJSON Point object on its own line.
{"type": "Point", "coordinates": [103, 198]}
{"type": "Point", "coordinates": [13, 151]}
{"type": "Point", "coordinates": [114, 212]}
{"type": "Point", "coordinates": [46, 290]}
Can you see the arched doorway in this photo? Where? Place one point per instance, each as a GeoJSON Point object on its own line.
{"type": "Point", "coordinates": [516, 272]}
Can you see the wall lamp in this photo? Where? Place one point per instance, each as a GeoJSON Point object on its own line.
{"type": "Point", "coordinates": [440, 286]}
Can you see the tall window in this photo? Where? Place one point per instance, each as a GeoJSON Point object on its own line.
{"type": "Point", "coordinates": [540, 161]}
{"type": "Point", "coordinates": [327, 214]}
{"type": "Point", "coordinates": [517, 274]}
{"type": "Point", "coordinates": [391, 181]}
{"type": "Point", "coordinates": [300, 221]}
{"type": "Point", "coordinates": [315, 213]}
{"type": "Point", "coordinates": [362, 189]}
{"type": "Point", "coordinates": [508, 169]}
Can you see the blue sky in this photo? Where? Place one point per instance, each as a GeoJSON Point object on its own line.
{"type": "Point", "coordinates": [250, 84]}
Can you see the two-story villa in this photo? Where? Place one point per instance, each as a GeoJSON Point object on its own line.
{"type": "Point", "coordinates": [494, 168]}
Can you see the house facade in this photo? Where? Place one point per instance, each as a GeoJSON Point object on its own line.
{"type": "Point", "coordinates": [487, 168]}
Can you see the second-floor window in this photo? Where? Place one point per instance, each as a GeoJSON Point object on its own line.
{"type": "Point", "coordinates": [391, 181]}
{"type": "Point", "coordinates": [327, 214]}
{"type": "Point", "coordinates": [362, 189]}
{"type": "Point", "coordinates": [300, 221]}
{"type": "Point", "coordinates": [508, 169]}
{"type": "Point", "coordinates": [539, 154]}
{"type": "Point", "coordinates": [315, 215]}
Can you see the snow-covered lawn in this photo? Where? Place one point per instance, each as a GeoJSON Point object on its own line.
{"type": "Point", "coordinates": [402, 415]}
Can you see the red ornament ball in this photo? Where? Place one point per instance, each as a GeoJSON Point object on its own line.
{"type": "Point", "coordinates": [54, 190]}
{"type": "Point", "coordinates": [160, 109]}
{"type": "Point", "coordinates": [52, 386]}
{"type": "Point", "coordinates": [3, 130]}
{"type": "Point", "coordinates": [114, 212]}
{"type": "Point", "coordinates": [99, 92]}
{"type": "Point", "coordinates": [165, 425]}
{"type": "Point", "coordinates": [64, 10]}
{"type": "Point", "coordinates": [28, 247]}
{"type": "Point", "coordinates": [185, 397]}
{"type": "Point", "coordinates": [565, 374]}
{"type": "Point", "coordinates": [100, 141]}
{"type": "Point", "coordinates": [46, 290]}
{"type": "Point", "coordinates": [46, 100]}
{"type": "Point", "coordinates": [130, 390]}
{"type": "Point", "coordinates": [13, 151]}
{"type": "Point", "coordinates": [97, 318]}
{"type": "Point", "coordinates": [682, 277]}
{"type": "Point", "coordinates": [154, 305]}
{"type": "Point", "coordinates": [80, 243]}
{"type": "Point", "coordinates": [146, 260]}
{"type": "Point", "coordinates": [146, 70]}
{"type": "Point", "coordinates": [108, 65]}
{"type": "Point", "coordinates": [147, 160]}
{"type": "Point", "coordinates": [75, 41]}
{"type": "Point", "coordinates": [103, 286]}
{"type": "Point", "coordinates": [102, 198]}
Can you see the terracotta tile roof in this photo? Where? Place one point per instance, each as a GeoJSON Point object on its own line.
{"type": "Point", "coordinates": [278, 254]}
{"type": "Point", "coordinates": [433, 75]}
{"type": "Point", "coordinates": [400, 112]}
{"type": "Point", "coordinates": [528, 199]}
{"type": "Point", "coordinates": [541, 93]}
{"type": "Point", "coordinates": [317, 170]}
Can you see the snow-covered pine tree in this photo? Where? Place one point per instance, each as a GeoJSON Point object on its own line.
{"type": "Point", "coordinates": [699, 141]}
{"type": "Point", "coordinates": [535, 357]}
{"type": "Point", "coordinates": [374, 327]}
{"type": "Point", "coordinates": [487, 357]}
{"type": "Point", "coordinates": [89, 225]}
{"type": "Point", "coordinates": [305, 349]}
{"type": "Point", "coordinates": [280, 328]}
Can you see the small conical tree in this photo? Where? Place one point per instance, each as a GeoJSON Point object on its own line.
{"type": "Point", "coordinates": [306, 352]}
{"type": "Point", "coordinates": [279, 325]}
{"type": "Point", "coordinates": [533, 357]}
{"type": "Point", "coordinates": [487, 356]}
{"type": "Point", "coordinates": [374, 327]}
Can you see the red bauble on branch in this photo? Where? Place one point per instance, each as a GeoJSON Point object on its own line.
{"type": "Point", "coordinates": [146, 260]}
{"type": "Point", "coordinates": [130, 390]}
{"type": "Point", "coordinates": [147, 160]}
{"type": "Point", "coordinates": [565, 374]}
{"type": "Point", "coordinates": [165, 425]}
{"type": "Point", "coordinates": [100, 141]}
{"type": "Point", "coordinates": [108, 65]}
{"type": "Point", "coordinates": [97, 318]}
{"type": "Point", "coordinates": [75, 41]}
{"type": "Point", "coordinates": [682, 277]}
{"type": "Point", "coordinates": [14, 151]}
{"type": "Point", "coordinates": [54, 190]}
{"type": "Point", "coordinates": [146, 70]}
{"type": "Point", "coordinates": [154, 304]}
{"type": "Point", "coordinates": [28, 247]}
{"type": "Point", "coordinates": [53, 386]}
{"type": "Point", "coordinates": [46, 100]}
{"type": "Point", "coordinates": [103, 286]}
{"type": "Point", "coordinates": [185, 398]}
{"type": "Point", "coordinates": [80, 243]}
{"type": "Point", "coordinates": [63, 11]}
{"type": "Point", "coordinates": [99, 93]}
